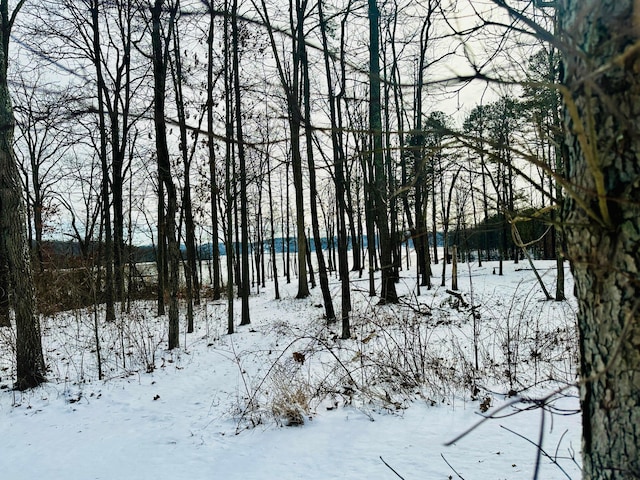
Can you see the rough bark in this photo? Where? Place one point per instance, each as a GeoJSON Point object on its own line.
{"type": "Point", "coordinates": [30, 368]}
{"type": "Point", "coordinates": [602, 229]}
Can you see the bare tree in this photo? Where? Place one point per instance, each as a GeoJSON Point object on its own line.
{"type": "Point", "coordinates": [379, 181]}
{"type": "Point", "coordinates": [41, 145]}
{"type": "Point", "coordinates": [215, 251]}
{"type": "Point", "coordinates": [160, 47]}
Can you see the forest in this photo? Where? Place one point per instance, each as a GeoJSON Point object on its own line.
{"type": "Point", "coordinates": [171, 166]}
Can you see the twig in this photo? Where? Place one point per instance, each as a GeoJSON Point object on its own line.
{"type": "Point", "coordinates": [484, 419]}
{"type": "Point", "coordinates": [391, 468]}
{"type": "Point", "coordinates": [454, 470]}
{"type": "Point", "coordinates": [540, 440]}
{"type": "Point", "coordinates": [541, 451]}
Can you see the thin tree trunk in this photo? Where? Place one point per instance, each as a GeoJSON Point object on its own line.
{"type": "Point", "coordinates": [161, 250]}
{"type": "Point", "coordinates": [229, 170]}
{"type": "Point", "coordinates": [369, 216]}
{"type": "Point", "coordinates": [215, 256]}
{"type": "Point", "coordinates": [313, 190]}
{"type": "Point", "coordinates": [454, 268]}
{"type": "Point", "coordinates": [272, 241]}
{"type": "Point", "coordinates": [160, 56]}
{"type": "Point", "coordinates": [380, 194]}
{"type": "Point", "coordinates": [190, 266]}
{"type": "Point", "coordinates": [106, 204]}
{"type": "Point", "coordinates": [244, 228]}
{"type": "Point", "coordinates": [312, 278]}
{"type": "Point", "coordinates": [338, 160]}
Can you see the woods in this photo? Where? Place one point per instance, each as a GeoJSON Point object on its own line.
{"type": "Point", "coordinates": [240, 142]}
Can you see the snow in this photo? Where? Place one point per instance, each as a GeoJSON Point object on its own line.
{"type": "Point", "coordinates": [218, 406]}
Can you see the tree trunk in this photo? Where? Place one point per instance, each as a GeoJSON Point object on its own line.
{"type": "Point", "coordinates": [215, 254]}
{"type": "Point", "coordinates": [244, 228]}
{"type": "Point", "coordinates": [160, 56]}
{"type": "Point", "coordinates": [161, 251]}
{"type": "Point", "coordinates": [369, 218]}
{"type": "Point", "coordinates": [106, 209]}
{"type": "Point", "coordinates": [229, 170]}
{"type": "Point", "coordinates": [454, 268]}
{"type": "Point", "coordinates": [601, 225]}
{"type": "Point", "coordinates": [313, 191]}
{"type": "Point", "coordinates": [388, 290]}
{"type": "Point", "coordinates": [272, 240]}
{"type": "Point", "coordinates": [339, 178]}
{"type": "Point", "coordinates": [190, 266]}
{"type": "Point", "coordinates": [30, 368]}
{"type": "Point", "coordinates": [4, 287]}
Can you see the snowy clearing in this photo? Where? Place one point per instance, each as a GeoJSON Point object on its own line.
{"type": "Point", "coordinates": [219, 406]}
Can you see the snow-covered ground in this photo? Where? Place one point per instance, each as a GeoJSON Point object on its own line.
{"type": "Point", "coordinates": [390, 398]}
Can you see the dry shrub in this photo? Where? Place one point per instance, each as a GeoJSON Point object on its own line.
{"type": "Point", "coordinates": [290, 395]}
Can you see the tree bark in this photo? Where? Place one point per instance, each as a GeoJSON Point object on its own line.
{"type": "Point", "coordinates": [30, 368]}
{"type": "Point", "coordinates": [602, 100]}
{"type": "Point", "coordinates": [4, 287]}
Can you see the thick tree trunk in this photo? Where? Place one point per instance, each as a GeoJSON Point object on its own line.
{"type": "Point", "coordinates": [602, 225]}
{"type": "Point", "coordinates": [30, 368]}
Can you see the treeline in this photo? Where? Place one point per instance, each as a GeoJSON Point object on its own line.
{"type": "Point", "coordinates": [181, 124]}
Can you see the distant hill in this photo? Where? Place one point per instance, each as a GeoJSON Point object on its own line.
{"type": "Point", "coordinates": [62, 253]}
